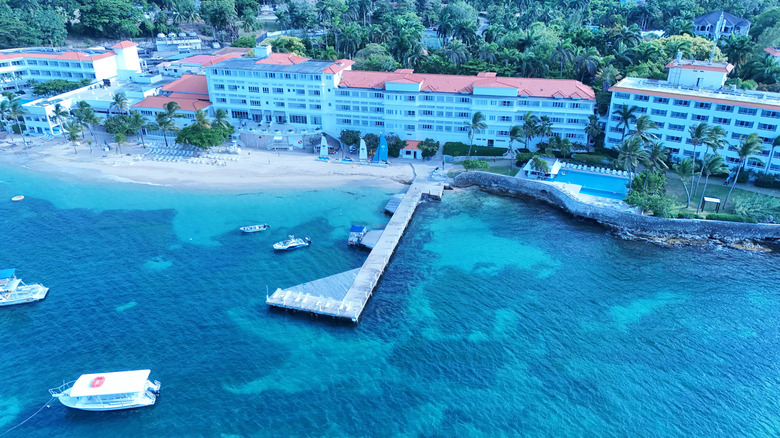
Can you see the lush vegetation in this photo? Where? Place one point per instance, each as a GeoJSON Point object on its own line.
{"type": "Point", "coordinates": [205, 133]}
{"type": "Point", "coordinates": [57, 86]}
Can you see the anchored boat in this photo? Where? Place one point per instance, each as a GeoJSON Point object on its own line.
{"type": "Point", "coordinates": [14, 291]}
{"type": "Point", "coordinates": [109, 391]}
{"type": "Point", "coordinates": [255, 228]}
{"type": "Point", "coordinates": [292, 243]}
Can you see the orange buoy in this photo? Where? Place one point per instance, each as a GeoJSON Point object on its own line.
{"type": "Point", "coordinates": [97, 382]}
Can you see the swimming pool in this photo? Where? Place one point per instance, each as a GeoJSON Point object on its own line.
{"type": "Point", "coordinates": [596, 184]}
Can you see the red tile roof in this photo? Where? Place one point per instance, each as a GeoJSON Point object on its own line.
{"type": "Point", "coordinates": [465, 84]}
{"type": "Point", "coordinates": [690, 64]}
{"type": "Point", "coordinates": [189, 84]}
{"type": "Point", "coordinates": [338, 66]}
{"type": "Point", "coordinates": [774, 51]}
{"type": "Point", "coordinates": [206, 60]}
{"type": "Point", "coordinates": [412, 145]}
{"type": "Point", "coordinates": [66, 56]}
{"type": "Point", "coordinates": [123, 45]}
{"type": "Point", "coordinates": [185, 104]}
{"type": "Point", "coordinates": [282, 59]}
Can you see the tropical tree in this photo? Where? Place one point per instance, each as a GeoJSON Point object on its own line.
{"type": "Point", "coordinates": [164, 124]}
{"type": "Point", "coordinates": [710, 165]}
{"type": "Point", "coordinates": [16, 112]}
{"type": "Point", "coordinates": [516, 134]}
{"type": "Point", "coordinates": [87, 118]}
{"type": "Point", "coordinates": [593, 128]}
{"type": "Point", "coordinates": [626, 115]}
{"type": "Point", "coordinates": [120, 139]}
{"type": "Point", "coordinates": [751, 145]}
{"type": "Point", "coordinates": [630, 155]}
{"type": "Point", "coordinates": [477, 124]}
{"type": "Point", "coordinates": [73, 129]}
{"type": "Point", "coordinates": [737, 49]}
{"type": "Point", "coordinates": [60, 115]}
{"type": "Point", "coordinates": [657, 154]}
{"type": "Point", "coordinates": [170, 110]}
{"type": "Point", "coordinates": [711, 136]}
{"type": "Point", "coordinates": [683, 169]}
{"type": "Point", "coordinates": [563, 52]}
{"type": "Point", "coordinates": [456, 52]}
{"type": "Point", "coordinates": [608, 75]}
{"type": "Point", "coordinates": [544, 128]}
{"type": "Point", "coordinates": [119, 102]}
{"type": "Point", "coordinates": [221, 120]}
{"type": "Point", "coordinates": [642, 128]}
{"type": "Point", "coordinates": [775, 144]}
{"type": "Point", "coordinates": [201, 120]}
{"type": "Point", "coordinates": [530, 127]}
{"type": "Point", "coordinates": [539, 164]}
{"type": "Point", "coordinates": [5, 114]}
{"type": "Point", "coordinates": [137, 123]}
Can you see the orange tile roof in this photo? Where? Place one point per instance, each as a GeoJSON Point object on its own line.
{"type": "Point", "coordinates": [188, 84]}
{"type": "Point", "coordinates": [691, 64]}
{"type": "Point", "coordinates": [207, 60]}
{"type": "Point", "coordinates": [465, 84]}
{"type": "Point", "coordinates": [282, 59]}
{"type": "Point", "coordinates": [66, 56]}
{"type": "Point", "coordinates": [412, 145]}
{"type": "Point", "coordinates": [338, 66]}
{"type": "Point", "coordinates": [774, 51]}
{"type": "Point", "coordinates": [123, 45]}
{"type": "Point", "coordinates": [185, 104]}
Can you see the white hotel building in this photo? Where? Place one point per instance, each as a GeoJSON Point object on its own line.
{"type": "Point", "coordinates": [284, 88]}
{"type": "Point", "coordinates": [694, 92]}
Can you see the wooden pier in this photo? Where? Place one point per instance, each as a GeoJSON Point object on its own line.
{"type": "Point", "coordinates": [330, 295]}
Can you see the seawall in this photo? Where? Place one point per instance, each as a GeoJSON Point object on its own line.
{"type": "Point", "coordinates": [623, 221]}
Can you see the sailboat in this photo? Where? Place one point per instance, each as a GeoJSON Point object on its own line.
{"type": "Point", "coordinates": [363, 154]}
{"type": "Point", "coordinates": [323, 149]}
{"type": "Point", "coordinates": [380, 158]}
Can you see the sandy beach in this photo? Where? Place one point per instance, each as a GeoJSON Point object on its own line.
{"type": "Point", "coordinates": [249, 169]}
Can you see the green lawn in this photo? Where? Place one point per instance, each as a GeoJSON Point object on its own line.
{"type": "Point", "coordinates": [715, 189]}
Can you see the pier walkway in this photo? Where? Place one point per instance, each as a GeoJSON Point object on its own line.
{"type": "Point", "coordinates": [330, 296]}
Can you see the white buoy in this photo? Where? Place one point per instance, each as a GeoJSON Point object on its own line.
{"type": "Point", "coordinates": [17, 198]}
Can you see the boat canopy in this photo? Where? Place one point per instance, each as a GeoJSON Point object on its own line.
{"type": "Point", "coordinates": [356, 229]}
{"type": "Point", "coordinates": [113, 383]}
{"type": "Point", "coordinates": [7, 273]}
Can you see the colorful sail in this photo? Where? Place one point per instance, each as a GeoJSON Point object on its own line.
{"type": "Point", "coordinates": [381, 153]}
{"type": "Point", "coordinates": [324, 148]}
{"type": "Point", "coordinates": [363, 151]}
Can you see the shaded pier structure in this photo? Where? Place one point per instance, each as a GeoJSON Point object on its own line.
{"type": "Point", "coordinates": [345, 295]}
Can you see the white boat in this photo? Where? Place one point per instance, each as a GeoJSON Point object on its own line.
{"type": "Point", "coordinates": [109, 391]}
{"type": "Point", "coordinates": [14, 291]}
{"type": "Point", "coordinates": [292, 243]}
{"type": "Point", "coordinates": [255, 228]}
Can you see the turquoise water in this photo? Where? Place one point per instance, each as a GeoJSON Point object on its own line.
{"type": "Point", "coordinates": [595, 184]}
{"type": "Point", "coordinates": [496, 317]}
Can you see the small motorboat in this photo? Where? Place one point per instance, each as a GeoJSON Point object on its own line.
{"type": "Point", "coordinates": [109, 391]}
{"type": "Point", "coordinates": [14, 291]}
{"type": "Point", "coordinates": [255, 228]}
{"type": "Point", "coordinates": [292, 243]}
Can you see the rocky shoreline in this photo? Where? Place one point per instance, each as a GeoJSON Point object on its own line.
{"type": "Point", "coordinates": [625, 222]}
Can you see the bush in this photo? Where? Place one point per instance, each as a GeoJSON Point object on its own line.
{"type": "Point", "coordinates": [688, 215]}
{"type": "Point", "coordinates": [207, 32]}
{"type": "Point", "coordinates": [458, 149]}
{"type": "Point", "coordinates": [661, 205]}
{"type": "Point", "coordinates": [729, 218]}
{"type": "Point", "coordinates": [743, 177]}
{"type": "Point", "coordinates": [57, 86]}
{"type": "Point", "coordinates": [523, 158]}
{"type": "Point", "coordinates": [757, 207]}
{"type": "Point", "coordinates": [17, 130]}
{"type": "Point", "coordinates": [350, 137]}
{"type": "Point", "coordinates": [429, 147]}
{"type": "Point", "coordinates": [394, 146]}
{"type": "Point", "coordinates": [605, 151]}
{"type": "Point", "coordinates": [767, 180]}
{"type": "Point", "coordinates": [592, 159]}
{"type": "Point", "coordinates": [247, 42]}
{"type": "Point", "coordinates": [475, 164]}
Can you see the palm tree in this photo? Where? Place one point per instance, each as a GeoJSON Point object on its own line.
{"type": "Point", "coordinates": [120, 139]}
{"type": "Point", "coordinates": [593, 128]}
{"type": "Point", "coordinates": [119, 102]}
{"type": "Point", "coordinates": [563, 52]}
{"type": "Point", "coordinates": [477, 124]}
{"type": "Point", "coordinates": [683, 169]}
{"type": "Point", "coordinates": [609, 75]}
{"type": "Point", "coordinates": [220, 120]}
{"type": "Point", "coordinates": [170, 110]}
{"type": "Point", "coordinates": [201, 120]}
{"type": "Point", "coordinates": [530, 127]}
{"type": "Point", "coordinates": [630, 154]}
{"type": "Point", "coordinates": [16, 112]}
{"type": "Point", "coordinates": [737, 50]}
{"type": "Point", "coordinates": [164, 124]}
{"type": "Point", "coordinates": [539, 164]}
{"type": "Point", "coordinates": [5, 114]}
{"type": "Point", "coordinates": [642, 126]}
{"type": "Point", "coordinates": [456, 52]}
{"type": "Point", "coordinates": [516, 134]}
{"type": "Point", "coordinates": [626, 114]}
{"type": "Point", "coordinates": [656, 159]}
{"type": "Point", "coordinates": [775, 144]}
{"type": "Point", "coordinates": [137, 123]}
{"type": "Point", "coordinates": [545, 127]}
{"type": "Point", "coordinates": [465, 31]}
{"type": "Point", "coordinates": [711, 136]}
{"type": "Point", "coordinates": [630, 36]}
{"type": "Point", "coordinates": [88, 118]}
{"type": "Point", "coordinates": [73, 129]}
{"type": "Point", "coordinates": [60, 115]}
{"type": "Point", "coordinates": [751, 145]}
{"type": "Point", "coordinates": [711, 164]}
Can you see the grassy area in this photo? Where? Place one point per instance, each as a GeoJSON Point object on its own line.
{"type": "Point", "coordinates": [503, 170]}
{"type": "Point", "coordinates": [715, 189]}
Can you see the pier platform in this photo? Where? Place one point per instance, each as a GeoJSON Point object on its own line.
{"type": "Point", "coordinates": [325, 296]}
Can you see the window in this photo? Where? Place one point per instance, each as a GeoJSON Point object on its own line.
{"type": "Point", "coordinates": [381, 96]}
{"type": "Point", "coordinates": [680, 102]}
{"type": "Point", "coordinates": [465, 100]}
{"type": "Point", "coordinates": [721, 121]}
{"type": "Point", "coordinates": [621, 95]}
{"type": "Point", "coordinates": [266, 90]}
{"type": "Point", "coordinates": [232, 87]}
{"type": "Point", "coordinates": [725, 108]}
{"type": "Point", "coordinates": [699, 118]}
{"type": "Point", "coordinates": [660, 125]}
{"type": "Point", "coordinates": [571, 135]}
{"type": "Point", "coordinates": [219, 87]}
{"type": "Point", "coordinates": [661, 100]}
{"type": "Point", "coordinates": [657, 112]}
{"type": "Point", "coordinates": [279, 104]}
{"type": "Point", "coordinates": [379, 123]}
{"type": "Point", "coordinates": [767, 127]}
{"type": "Point", "coordinates": [505, 118]}
{"type": "Point", "coordinates": [410, 113]}
{"type": "Point", "coordinates": [278, 90]}
{"type": "Point", "coordinates": [506, 103]}
{"type": "Point", "coordinates": [703, 105]}
{"type": "Point", "coordinates": [575, 105]}
{"type": "Point", "coordinates": [298, 119]}
{"type": "Point", "coordinates": [410, 98]}
{"type": "Point", "coordinates": [425, 112]}
{"type": "Point", "coordinates": [463, 128]}
{"type": "Point", "coordinates": [748, 111]}
{"type": "Point", "coordinates": [240, 114]}
{"type": "Point", "coordinates": [409, 127]}
{"type": "Point", "coordinates": [342, 107]}
{"type": "Point", "coordinates": [221, 100]}
{"type": "Point", "coordinates": [254, 89]}
{"type": "Point", "coordinates": [314, 92]}
{"type": "Point", "coordinates": [772, 114]}
{"type": "Point", "coordinates": [300, 91]}
{"type": "Point", "coordinates": [673, 138]}
{"type": "Point", "coordinates": [426, 127]}
{"type": "Point", "coordinates": [676, 127]}
{"type": "Point", "coordinates": [679, 115]}
{"type": "Point", "coordinates": [463, 115]}
{"type": "Point", "coordinates": [503, 132]}
{"type": "Point", "coordinates": [558, 105]}
{"type": "Point", "coordinates": [641, 98]}
{"type": "Point", "coordinates": [315, 106]}
{"type": "Point", "coordinates": [743, 124]}
{"type": "Point", "coordinates": [254, 102]}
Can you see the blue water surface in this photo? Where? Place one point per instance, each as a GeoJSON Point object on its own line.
{"type": "Point", "coordinates": [496, 317]}
{"type": "Point", "coordinates": [596, 184]}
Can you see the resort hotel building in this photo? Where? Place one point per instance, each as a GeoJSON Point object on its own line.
{"type": "Point", "coordinates": [279, 88]}
{"type": "Point", "coordinates": [694, 92]}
